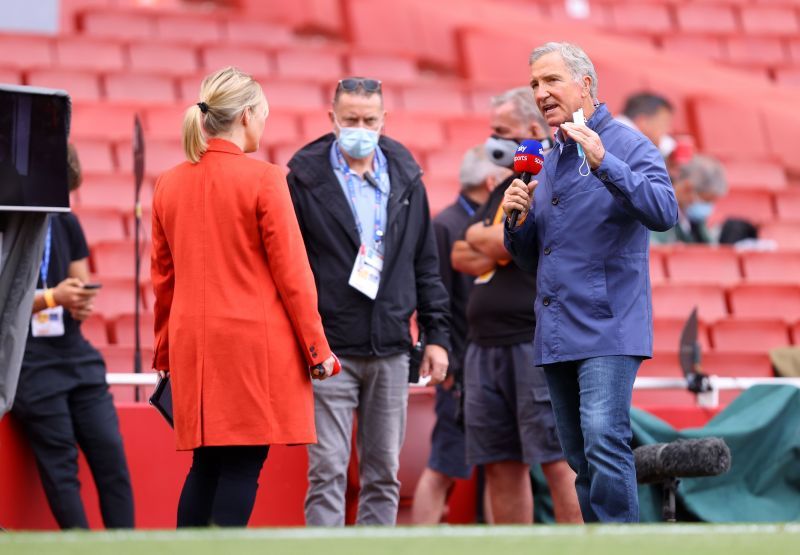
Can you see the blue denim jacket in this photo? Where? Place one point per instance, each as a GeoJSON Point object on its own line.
{"type": "Point", "coordinates": [587, 238]}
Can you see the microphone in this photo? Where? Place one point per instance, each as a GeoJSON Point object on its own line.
{"type": "Point", "coordinates": [528, 161]}
{"type": "Point", "coordinates": [683, 458]}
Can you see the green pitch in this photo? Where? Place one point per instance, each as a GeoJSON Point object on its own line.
{"type": "Point", "coordinates": [664, 539]}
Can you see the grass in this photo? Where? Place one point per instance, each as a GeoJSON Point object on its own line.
{"type": "Point", "coordinates": [683, 539]}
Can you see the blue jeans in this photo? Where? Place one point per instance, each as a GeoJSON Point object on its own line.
{"type": "Point", "coordinates": [592, 400]}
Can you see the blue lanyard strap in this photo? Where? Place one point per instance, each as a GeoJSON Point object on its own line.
{"type": "Point", "coordinates": [46, 258]}
{"type": "Point", "coordinates": [466, 206]}
{"type": "Point", "coordinates": [349, 177]}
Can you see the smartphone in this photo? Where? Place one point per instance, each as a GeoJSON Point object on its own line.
{"type": "Point", "coordinates": [92, 285]}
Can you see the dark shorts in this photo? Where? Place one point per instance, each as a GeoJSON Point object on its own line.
{"type": "Point", "coordinates": [448, 445]}
{"type": "Point", "coordinates": [507, 407]}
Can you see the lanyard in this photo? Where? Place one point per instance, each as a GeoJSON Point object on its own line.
{"type": "Point", "coordinates": [46, 258]}
{"type": "Point", "coordinates": [349, 177]}
{"type": "Point", "coordinates": [466, 206]}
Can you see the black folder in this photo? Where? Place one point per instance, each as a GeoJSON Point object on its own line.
{"type": "Point", "coordinates": [161, 399]}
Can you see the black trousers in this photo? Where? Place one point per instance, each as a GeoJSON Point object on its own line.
{"type": "Point", "coordinates": [55, 427]}
{"type": "Point", "coordinates": [220, 489]}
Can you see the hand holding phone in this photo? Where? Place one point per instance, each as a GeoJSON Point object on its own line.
{"type": "Point", "coordinates": [92, 285]}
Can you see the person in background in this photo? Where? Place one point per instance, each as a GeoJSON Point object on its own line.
{"type": "Point", "coordinates": [698, 184]}
{"type": "Point", "coordinates": [652, 114]}
{"type": "Point", "coordinates": [510, 424]}
{"type": "Point", "coordinates": [364, 215]}
{"type": "Point", "coordinates": [63, 402]}
{"type": "Point", "coordinates": [447, 461]}
{"type": "Point", "coordinates": [236, 321]}
{"type": "Point", "coordinates": [583, 226]}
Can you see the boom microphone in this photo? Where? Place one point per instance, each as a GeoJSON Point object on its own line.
{"type": "Point", "coordinates": [528, 161]}
{"type": "Point", "coordinates": [682, 458]}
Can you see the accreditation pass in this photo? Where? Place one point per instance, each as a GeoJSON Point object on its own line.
{"type": "Point", "coordinates": [366, 274]}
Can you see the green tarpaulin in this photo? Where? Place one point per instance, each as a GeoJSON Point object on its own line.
{"type": "Point", "coordinates": [762, 429]}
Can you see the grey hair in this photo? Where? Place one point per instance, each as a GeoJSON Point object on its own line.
{"type": "Point", "coordinates": [574, 57]}
{"type": "Point", "coordinates": [476, 167]}
{"type": "Point", "coordinates": [524, 103]}
{"type": "Point", "coordinates": [706, 175]}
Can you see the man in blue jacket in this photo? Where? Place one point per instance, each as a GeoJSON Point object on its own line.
{"type": "Point", "coordinates": [584, 227]}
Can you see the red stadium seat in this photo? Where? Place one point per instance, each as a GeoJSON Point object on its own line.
{"type": "Point", "coordinates": [281, 155]}
{"type": "Point", "coordinates": [314, 124]}
{"type": "Point", "coordinates": [710, 48]}
{"type": "Point", "coordinates": [140, 88]}
{"type": "Point", "coordinates": [712, 122]}
{"type": "Point", "coordinates": [283, 95]}
{"type": "Point", "coordinates": [737, 364]}
{"type": "Point", "coordinates": [749, 335]}
{"type": "Point", "coordinates": [162, 123]}
{"type": "Point", "coordinates": [159, 156]}
{"type": "Point", "coordinates": [415, 132]}
{"type": "Point", "coordinates": [787, 204]}
{"type": "Point", "coordinates": [662, 365]}
{"type": "Point", "coordinates": [10, 76]}
{"type": "Point", "coordinates": [249, 59]}
{"type": "Point", "coordinates": [308, 16]}
{"type": "Point", "coordinates": [752, 205]}
{"type": "Point", "coordinates": [755, 175]}
{"type": "Point", "coordinates": [89, 54]}
{"type": "Point", "coordinates": [644, 398]}
{"type": "Point", "coordinates": [796, 334]}
{"type": "Point", "coordinates": [124, 327]}
{"type": "Point", "coordinates": [703, 265]}
{"type": "Point", "coordinates": [678, 301]}
{"type": "Point", "coordinates": [390, 69]}
{"type": "Point", "coordinates": [150, 57]}
{"type": "Point", "coordinates": [95, 156]}
{"type": "Point", "coordinates": [108, 24]}
{"type": "Point", "coordinates": [81, 86]}
{"type": "Point", "coordinates": [766, 301]}
{"type": "Point", "coordinates": [25, 52]}
{"type": "Point", "coordinates": [464, 132]}
{"type": "Point", "coordinates": [763, 20]}
{"type": "Point", "coordinates": [788, 77]}
{"type": "Point", "coordinates": [650, 18]}
{"type": "Point", "coordinates": [116, 259]}
{"type": "Point", "coordinates": [437, 100]}
{"type": "Point", "coordinates": [755, 51]}
{"type": "Point", "coordinates": [617, 84]}
{"type": "Point", "coordinates": [701, 18]}
{"type": "Point", "coordinates": [119, 359]}
{"type": "Point", "coordinates": [444, 164]}
{"type": "Point", "coordinates": [786, 234]}
{"type": "Point", "coordinates": [441, 193]}
{"type": "Point", "coordinates": [771, 267]}
{"type": "Point", "coordinates": [281, 128]}
{"type": "Point", "coordinates": [116, 297]}
{"type": "Point", "coordinates": [112, 191]}
{"type": "Point", "coordinates": [95, 331]}
{"type": "Point", "coordinates": [102, 121]}
{"type": "Point", "coordinates": [101, 224]}
{"type": "Point", "coordinates": [188, 29]}
{"type": "Point", "coordinates": [667, 334]}
{"type": "Point", "coordinates": [320, 65]}
{"type": "Point", "coordinates": [257, 33]}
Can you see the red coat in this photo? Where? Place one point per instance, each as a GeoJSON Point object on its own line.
{"type": "Point", "coordinates": [236, 319]}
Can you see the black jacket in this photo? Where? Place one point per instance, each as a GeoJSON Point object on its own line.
{"type": "Point", "coordinates": [354, 324]}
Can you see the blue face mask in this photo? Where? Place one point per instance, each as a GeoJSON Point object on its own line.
{"type": "Point", "coordinates": [699, 212]}
{"type": "Point", "coordinates": [357, 142]}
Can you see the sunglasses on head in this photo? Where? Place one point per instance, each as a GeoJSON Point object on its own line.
{"type": "Point", "coordinates": [351, 84]}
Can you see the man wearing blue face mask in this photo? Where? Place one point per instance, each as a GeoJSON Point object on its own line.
{"type": "Point", "coordinates": [364, 215]}
{"type": "Point", "coordinates": [698, 184]}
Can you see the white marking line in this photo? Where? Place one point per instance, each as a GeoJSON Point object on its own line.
{"type": "Point", "coordinates": [449, 532]}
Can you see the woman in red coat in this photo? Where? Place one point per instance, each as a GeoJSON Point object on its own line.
{"type": "Point", "coordinates": [236, 321]}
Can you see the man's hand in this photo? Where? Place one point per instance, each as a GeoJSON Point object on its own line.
{"type": "Point", "coordinates": [434, 364]}
{"type": "Point", "coordinates": [468, 260]}
{"type": "Point", "coordinates": [589, 140]}
{"type": "Point", "coordinates": [325, 371]}
{"type": "Point", "coordinates": [73, 297]}
{"type": "Point", "coordinates": [519, 196]}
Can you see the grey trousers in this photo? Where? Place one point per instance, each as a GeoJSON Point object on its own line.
{"type": "Point", "coordinates": [377, 390]}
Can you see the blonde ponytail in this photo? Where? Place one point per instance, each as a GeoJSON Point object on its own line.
{"type": "Point", "coordinates": [223, 95]}
{"type": "Point", "coordinates": [194, 143]}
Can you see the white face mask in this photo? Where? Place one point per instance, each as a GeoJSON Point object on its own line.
{"type": "Point", "coordinates": [357, 142]}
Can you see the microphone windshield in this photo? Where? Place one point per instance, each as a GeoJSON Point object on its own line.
{"type": "Point", "coordinates": [529, 157]}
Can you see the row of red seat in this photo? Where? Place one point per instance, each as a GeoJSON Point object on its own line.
{"type": "Point", "coordinates": [729, 335]}
{"type": "Point", "coordinates": [723, 266]}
